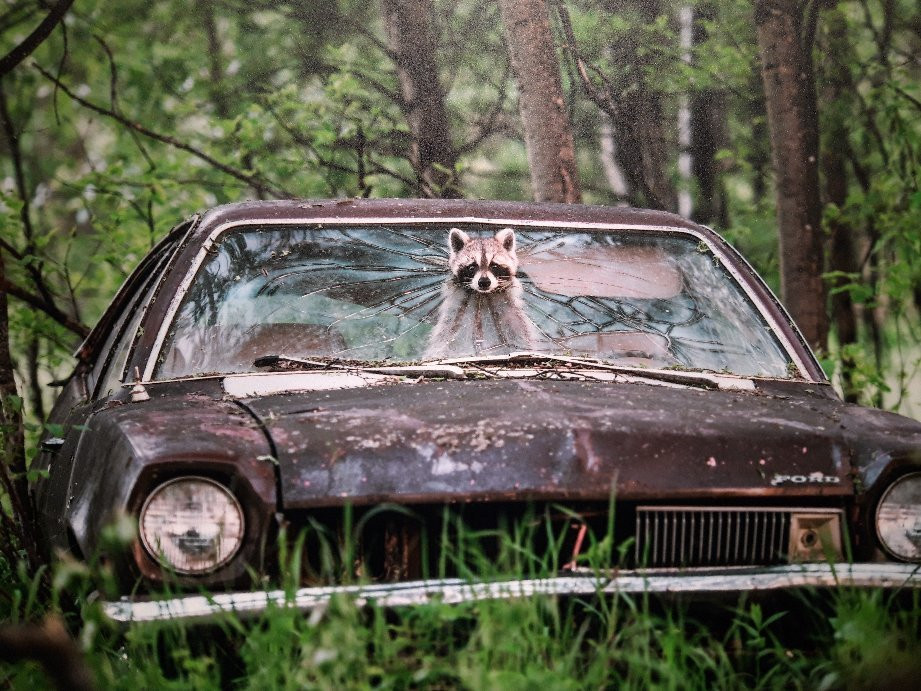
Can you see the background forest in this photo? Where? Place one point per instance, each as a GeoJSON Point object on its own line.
{"type": "Point", "coordinates": [792, 127]}
{"type": "Point", "coordinates": [131, 116]}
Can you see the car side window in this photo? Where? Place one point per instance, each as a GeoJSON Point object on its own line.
{"type": "Point", "coordinates": [115, 374]}
{"type": "Point", "coordinates": [105, 353]}
{"type": "Point", "coordinates": [119, 345]}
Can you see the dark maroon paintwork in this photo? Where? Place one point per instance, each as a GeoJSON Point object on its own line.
{"type": "Point", "coordinates": [453, 441]}
{"type": "Point", "coordinates": [491, 440]}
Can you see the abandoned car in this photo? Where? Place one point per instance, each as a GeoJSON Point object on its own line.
{"type": "Point", "coordinates": [376, 385]}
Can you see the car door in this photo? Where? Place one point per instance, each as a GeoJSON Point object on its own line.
{"type": "Point", "coordinates": [65, 463]}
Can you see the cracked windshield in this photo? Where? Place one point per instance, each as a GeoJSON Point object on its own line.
{"type": "Point", "coordinates": [408, 294]}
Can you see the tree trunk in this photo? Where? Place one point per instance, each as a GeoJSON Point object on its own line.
{"type": "Point", "coordinates": [607, 155]}
{"type": "Point", "coordinates": [412, 41]}
{"type": "Point", "coordinates": [785, 40]}
{"type": "Point", "coordinates": [33, 361]}
{"type": "Point", "coordinates": [759, 151]}
{"type": "Point", "coordinates": [547, 130]}
{"type": "Point", "coordinates": [219, 93]}
{"type": "Point", "coordinates": [642, 146]}
{"type": "Point", "coordinates": [842, 256]}
{"type": "Point", "coordinates": [18, 530]}
{"type": "Point", "coordinates": [685, 166]}
{"type": "Point", "coordinates": [18, 517]}
{"type": "Point", "coordinates": [709, 134]}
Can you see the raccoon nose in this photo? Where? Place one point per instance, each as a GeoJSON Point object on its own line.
{"type": "Point", "coordinates": [483, 283]}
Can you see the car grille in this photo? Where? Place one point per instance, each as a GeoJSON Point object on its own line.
{"type": "Point", "coordinates": [393, 543]}
{"type": "Point", "coordinates": [703, 536]}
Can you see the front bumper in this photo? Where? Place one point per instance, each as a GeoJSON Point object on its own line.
{"type": "Point", "coordinates": [455, 591]}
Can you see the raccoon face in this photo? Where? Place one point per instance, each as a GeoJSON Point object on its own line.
{"type": "Point", "coordinates": [483, 265]}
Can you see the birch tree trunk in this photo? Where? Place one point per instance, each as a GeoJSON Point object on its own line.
{"type": "Point", "coordinates": [547, 129]}
{"type": "Point", "coordinates": [785, 40]}
{"type": "Point", "coordinates": [685, 135]}
{"type": "Point", "coordinates": [412, 40]}
{"type": "Point", "coordinates": [607, 155]}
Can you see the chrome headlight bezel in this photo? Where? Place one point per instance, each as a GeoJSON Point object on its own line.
{"type": "Point", "coordinates": [898, 505]}
{"type": "Point", "coordinates": [223, 509]}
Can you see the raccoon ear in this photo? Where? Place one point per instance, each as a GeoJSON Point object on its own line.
{"type": "Point", "coordinates": [506, 238]}
{"type": "Point", "coordinates": [457, 239]}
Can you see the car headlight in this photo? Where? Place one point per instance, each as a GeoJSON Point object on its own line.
{"type": "Point", "coordinates": [192, 525]}
{"type": "Point", "coordinates": [898, 518]}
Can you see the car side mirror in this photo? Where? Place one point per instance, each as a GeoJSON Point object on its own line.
{"type": "Point", "coordinates": [52, 444]}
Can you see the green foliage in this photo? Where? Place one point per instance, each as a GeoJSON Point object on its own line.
{"type": "Point", "coordinates": [845, 638]}
{"type": "Point", "coordinates": [301, 99]}
{"type": "Point", "coordinates": [876, 642]}
{"type": "Point", "coordinates": [882, 212]}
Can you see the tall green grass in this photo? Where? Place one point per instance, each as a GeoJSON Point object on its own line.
{"type": "Point", "coordinates": [841, 639]}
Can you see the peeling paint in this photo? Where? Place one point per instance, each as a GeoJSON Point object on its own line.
{"type": "Point", "coordinates": [326, 438]}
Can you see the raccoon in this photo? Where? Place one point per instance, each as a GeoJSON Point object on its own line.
{"type": "Point", "coordinates": [483, 265]}
{"type": "Point", "coordinates": [482, 307]}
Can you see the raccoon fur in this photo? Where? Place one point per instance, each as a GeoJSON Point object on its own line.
{"type": "Point", "coordinates": [482, 308]}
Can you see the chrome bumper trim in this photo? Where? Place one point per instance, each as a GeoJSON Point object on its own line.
{"type": "Point", "coordinates": [454, 591]}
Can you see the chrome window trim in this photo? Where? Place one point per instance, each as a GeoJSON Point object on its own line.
{"type": "Point", "coordinates": [219, 230]}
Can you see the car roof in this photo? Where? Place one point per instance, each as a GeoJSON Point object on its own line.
{"type": "Point", "coordinates": [441, 209]}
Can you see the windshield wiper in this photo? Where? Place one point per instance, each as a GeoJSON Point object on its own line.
{"type": "Point", "coordinates": [447, 371]}
{"type": "Point", "coordinates": [704, 380]}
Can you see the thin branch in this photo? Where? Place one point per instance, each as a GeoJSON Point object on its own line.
{"type": "Point", "coordinates": [17, 519]}
{"type": "Point", "coordinates": [18, 14]}
{"type": "Point", "coordinates": [113, 98]}
{"type": "Point", "coordinates": [488, 128]}
{"type": "Point", "coordinates": [255, 182]}
{"type": "Point", "coordinates": [911, 99]}
{"type": "Point", "coordinates": [68, 282]}
{"type": "Point", "coordinates": [12, 138]}
{"type": "Point", "coordinates": [807, 40]}
{"type": "Point", "coordinates": [888, 16]}
{"type": "Point", "coordinates": [606, 101]}
{"type": "Point", "coordinates": [35, 39]}
{"type": "Point", "coordinates": [869, 114]}
{"type": "Point", "coordinates": [880, 38]}
{"type": "Point", "coordinates": [33, 359]}
{"type": "Point", "coordinates": [352, 145]}
{"type": "Point", "coordinates": [376, 84]}
{"type": "Point", "coordinates": [456, 42]}
{"type": "Point", "coordinates": [12, 251]}
{"type": "Point", "coordinates": [863, 178]}
{"type": "Point", "coordinates": [364, 31]}
{"type": "Point", "coordinates": [65, 53]}
{"type": "Point", "coordinates": [375, 167]}
{"type": "Point", "coordinates": [113, 73]}
{"type": "Point", "coordinates": [25, 215]}
{"type": "Point", "coordinates": [48, 308]}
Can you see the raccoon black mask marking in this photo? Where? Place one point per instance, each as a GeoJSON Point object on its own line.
{"type": "Point", "coordinates": [483, 265]}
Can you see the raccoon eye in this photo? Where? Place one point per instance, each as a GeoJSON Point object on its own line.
{"type": "Point", "coordinates": [468, 272]}
{"type": "Point", "coordinates": [500, 271]}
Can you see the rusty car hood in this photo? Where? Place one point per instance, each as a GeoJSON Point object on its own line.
{"type": "Point", "coordinates": [517, 439]}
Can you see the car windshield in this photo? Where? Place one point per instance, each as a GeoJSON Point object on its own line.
{"type": "Point", "coordinates": [414, 293]}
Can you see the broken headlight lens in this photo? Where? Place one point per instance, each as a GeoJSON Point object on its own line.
{"type": "Point", "coordinates": [192, 525]}
{"type": "Point", "coordinates": [898, 518]}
